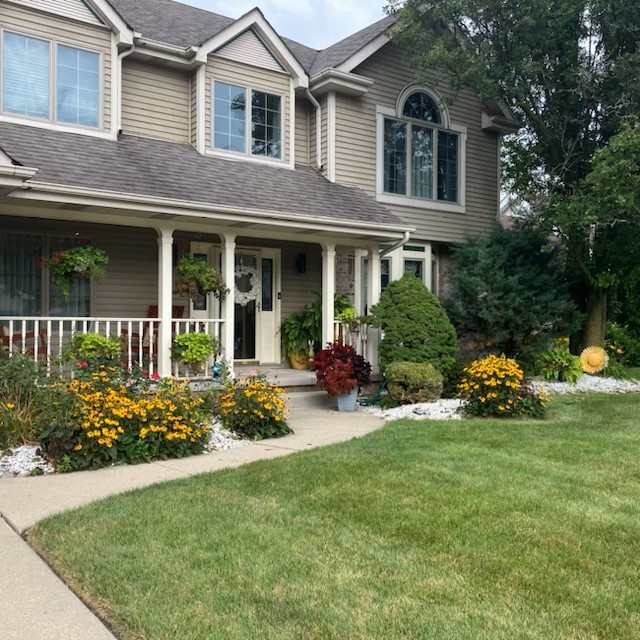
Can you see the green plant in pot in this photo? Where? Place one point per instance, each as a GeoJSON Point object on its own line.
{"type": "Point", "coordinates": [297, 334]}
{"type": "Point", "coordinates": [348, 317]}
{"type": "Point", "coordinates": [193, 349]}
{"type": "Point", "coordinates": [198, 277]}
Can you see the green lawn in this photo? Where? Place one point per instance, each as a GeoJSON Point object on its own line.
{"type": "Point", "coordinates": [469, 530]}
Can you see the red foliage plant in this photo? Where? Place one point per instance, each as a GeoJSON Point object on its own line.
{"type": "Point", "coordinates": [339, 369]}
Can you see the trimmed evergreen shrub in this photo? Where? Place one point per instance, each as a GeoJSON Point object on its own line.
{"type": "Point", "coordinates": [416, 327]}
{"type": "Point", "coordinates": [412, 382]}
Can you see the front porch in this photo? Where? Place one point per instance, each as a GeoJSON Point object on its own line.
{"type": "Point", "coordinates": [136, 304]}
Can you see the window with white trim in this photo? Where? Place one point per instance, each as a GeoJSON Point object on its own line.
{"type": "Point", "coordinates": [28, 76]}
{"type": "Point", "coordinates": [421, 156]}
{"type": "Point", "coordinates": [247, 121]}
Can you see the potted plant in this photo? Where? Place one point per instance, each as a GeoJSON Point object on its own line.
{"type": "Point", "coordinates": [348, 317]}
{"type": "Point", "coordinates": [340, 371]}
{"type": "Point", "coordinates": [80, 261]}
{"type": "Point", "coordinates": [198, 277]}
{"type": "Point", "coordinates": [193, 349]}
{"type": "Point", "coordinates": [297, 336]}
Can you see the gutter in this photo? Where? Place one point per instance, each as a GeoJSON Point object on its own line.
{"type": "Point", "coordinates": [397, 245]}
{"type": "Point", "coordinates": [167, 206]}
{"type": "Point", "coordinates": [316, 104]}
{"type": "Point", "coordinates": [121, 57]}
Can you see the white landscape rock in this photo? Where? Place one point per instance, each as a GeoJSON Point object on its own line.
{"type": "Point", "coordinates": [24, 461]}
{"type": "Point", "coordinates": [450, 409]}
{"type": "Point", "coordinates": [589, 384]}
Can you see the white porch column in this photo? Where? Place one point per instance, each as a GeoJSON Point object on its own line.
{"type": "Point", "coordinates": [228, 305]}
{"type": "Point", "coordinates": [165, 299]}
{"type": "Point", "coordinates": [328, 291]}
{"type": "Point", "coordinates": [373, 297]}
{"type": "Point", "coordinates": [358, 302]}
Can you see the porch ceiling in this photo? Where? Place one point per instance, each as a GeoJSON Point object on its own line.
{"type": "Point", "coordinates": [156, 180]}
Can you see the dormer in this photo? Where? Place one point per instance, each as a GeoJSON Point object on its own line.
{"type": "Point", "coordinates": [58, 64]}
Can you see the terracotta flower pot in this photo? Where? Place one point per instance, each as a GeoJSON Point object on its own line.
{"type": "Point", "coordinates": [299, 361]}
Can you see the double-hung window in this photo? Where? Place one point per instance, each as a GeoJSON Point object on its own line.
{"type": "Point", "coordinates": [35, 70]}
{"type": "Point", "coordinates": [420, 157]}
{"type": "Point", "coordinates": [247, 121]}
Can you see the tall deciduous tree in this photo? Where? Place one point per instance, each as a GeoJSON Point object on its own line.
{"type": "Point", "coordinates": [569, 70]}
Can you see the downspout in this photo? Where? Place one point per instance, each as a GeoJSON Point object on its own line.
{"type": "Point", "coordinates": [121, 57]}
{"type": "Point", "coordinates": [318, 108]}
{"type": "Point", "coordinates": [397, 245]}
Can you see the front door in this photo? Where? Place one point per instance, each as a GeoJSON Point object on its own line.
{"type": "Point", "coordinates": [256, 306]}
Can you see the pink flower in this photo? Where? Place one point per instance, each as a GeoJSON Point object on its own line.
{"type": "Point", "coordinates": [252, 374]}
{"type": "Point", "coordinates": [154, 376]}
{"type": "Point", "coordinates": [84, 365]}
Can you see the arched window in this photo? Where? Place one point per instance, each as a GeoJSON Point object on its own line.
{"type": "Point", "coordinates": [421, 156]}
{"type": "Point", "coordinates": [421, 106]}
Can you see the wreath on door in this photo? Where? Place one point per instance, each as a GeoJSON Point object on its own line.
{"type": "Point", "coordinates": [243, 298]}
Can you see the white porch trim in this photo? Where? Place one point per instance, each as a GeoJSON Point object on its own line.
{"type": "Point", "coordinates": [328, 292]}
{"type": "Point", "coordinates": [228, 305]}
{"type": "Point", "coordinates": [373, 289]}
{"type": "Point", "coordinates": [165, 299]}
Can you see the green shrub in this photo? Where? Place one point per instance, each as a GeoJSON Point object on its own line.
{"type": "Point", "coordinates": [624, 343]}
{"type": "Point", "coordinates": [496, 387]}
{"type": "Point", "coordinates": [413, 382]}
{"type": "Point", "coordinates": [92, 348]}
{"type": "Point", "coordinates": [559, 365]}
{"type": "Point", "coordinates": [509, 294]}
{"type": "Point", "coordinates": [416, 327]}
{"type": "Point", "coordinates": [24, 401]}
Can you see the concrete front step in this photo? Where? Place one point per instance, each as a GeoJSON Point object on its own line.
{"type": "Point", "coordinates": [310, 400]}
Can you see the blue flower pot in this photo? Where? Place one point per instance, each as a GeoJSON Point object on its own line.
{"type": "Point", "coordinates": [347, 402]}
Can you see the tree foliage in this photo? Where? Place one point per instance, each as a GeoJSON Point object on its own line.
{"type": "Point", "coordinates": [509, 293]}
{"type": "Point", "coordinates": [416, 327]}
{"type": "Point", "coordinates": [570, 71]}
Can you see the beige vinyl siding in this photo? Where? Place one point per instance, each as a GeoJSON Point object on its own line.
{"type": "Point", "coordinates": [249, 49]}
{"type": "Point", "coordinates": [298, 289]}
{"type": "Point", "coordinates": [244, 75]}
{"type": "Point", "coordinates": [356, 149]}
{"type": "Point", "coordinates": [156, 101]}
{"type": "Point", "coordinates": [304, 118]}
{"type": "Point", "coordinates": [74, 9]}
{"type": "Point", "coordinates": [83, 36]}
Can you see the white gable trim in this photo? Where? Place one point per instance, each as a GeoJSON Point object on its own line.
{"type": "Point", "coordinates": [111, 17]}
{"type": "Point", "coordinates": [256, 21]}
{"type": "Point", "coordinates": [364, 54]}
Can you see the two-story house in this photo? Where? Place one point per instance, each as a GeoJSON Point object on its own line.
{"type": "Point", "coordinates": [157, 129]}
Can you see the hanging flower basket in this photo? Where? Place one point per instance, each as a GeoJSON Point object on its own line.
{"type": "Point", "coordinates": [198, 277]}
{"type": "Point", "coordinates": [80, 262]}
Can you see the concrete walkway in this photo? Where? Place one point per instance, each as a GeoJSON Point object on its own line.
{"type": "Point", "coordinates": [34, 603]}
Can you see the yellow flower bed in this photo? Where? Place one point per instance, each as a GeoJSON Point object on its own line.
{"type": "Point", "coordinates": [254, 408]}
{"type": "Point", "coordinates": [495, 386]}
{"type": "Point", "coordinates": [111, 420]}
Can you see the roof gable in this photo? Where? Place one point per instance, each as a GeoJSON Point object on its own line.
{"type": "Point", "coordinates": [74, 9]}
{"type": "Point", "coordinates": [250, 49]}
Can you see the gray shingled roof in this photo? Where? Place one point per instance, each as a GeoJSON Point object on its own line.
{"type": "Point", "coordinates": [343, 50]}
{"type": "Point", "coordinates": [184, 26]}
{"type": "Point", "coordinates": [155, 168]}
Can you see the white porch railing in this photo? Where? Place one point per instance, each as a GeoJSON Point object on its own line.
{"type": "Point", "coordinates": [44, 339]}
{"type": "Point", "coordinates": [356, 339]}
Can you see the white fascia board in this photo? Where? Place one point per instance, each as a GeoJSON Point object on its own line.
{"type": "Point", "coordinates": [113, 19]}
{"type": "Point", "coordinates": [364, 54]}
{"type": "Point", "coordinates": [41, 191]}
{"type": "Point", "coordinates": [255, 20]}
{"type": "Point", "coordinates": [340, 82]}
{"type": "Point", "coordinates": [14, 176]}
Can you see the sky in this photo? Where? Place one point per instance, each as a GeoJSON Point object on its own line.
{"type": "Point", "coordinates": [316, 23]}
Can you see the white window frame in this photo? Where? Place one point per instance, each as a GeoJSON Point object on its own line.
{"type": "Point", "coordinates": [53, 86]}
{"type": "Point", "coordinates": [246, 154]}
{"type": "Point", "coordinates": [433, 204]}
